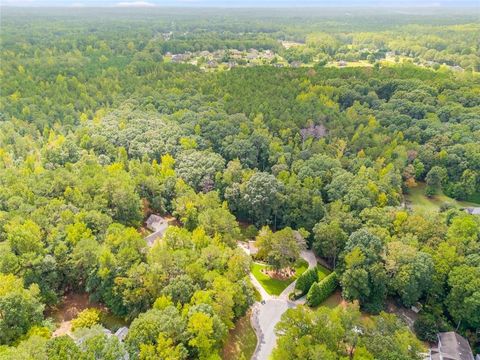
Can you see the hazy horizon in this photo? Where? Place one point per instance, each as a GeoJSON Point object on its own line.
{"type": "Point", "coordinates": [239, 3]}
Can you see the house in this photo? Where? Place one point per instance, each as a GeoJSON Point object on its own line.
{"type": "Point", "coordinates": [390, 54]}
{"type": "Point", "coordinates": [342, 63]}
{"type": "Point", "coordinates": [235, 54]}
{"type": "Point", "coordinates": [153, 222]}
{"type": "Point", "coordinates": [180, 57]}
{"type": "Point", "coordinates": [451, 346]}
{"type": "Point", "coordinates": [166, 36]}
{"type": "Point", "coordinates": [158, 225]}
{"type": "Point", "coordinates": [473, 210]}
{"type": "Point", "coordinates": [268, 54]}
{"type": "Point", "coordinates": [212, 64]}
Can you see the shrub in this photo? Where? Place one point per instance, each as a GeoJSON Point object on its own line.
{"type": "Point", "coordinates": [320, 291]}
{"type": "Point", "coordinates": [306, 280]}
{"type": "Point", "coordinates": [426, 328]}
{"type": "Point", "coordinates": [86, 319]}
{"type": "Point", "coordinates": [250, 232]}
{"type": "Point", "coordinates": [294, 295]}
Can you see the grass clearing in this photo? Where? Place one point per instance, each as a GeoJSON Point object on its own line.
{"type": "Point", "coordinates": [300, 268]}
{"type": "Point", "coordinates": [322, 272]}
{"type": "Point", "coordinates": [417, 199]}
{"type": "Point", "coordinates": [360, 63]}
{"type": "Point", "coordinates": [276, 286]}
{"type": "Point", "coordinates": [271, 286]}
{"type": "Point", "coordinates": [336, 300]}
{"type": "Point", "coordinates": [241, 341]}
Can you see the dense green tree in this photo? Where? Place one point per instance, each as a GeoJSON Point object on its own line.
{"type": "Point", "coordinates": [198, 168]}
{"type": "Point", "coordinates": [20, 308]}
{"type": "Point", "coordinates": [262, 198]}
{"type": "Point", "coordinates": [463, 300]}
{"type": "Point", "coordinates": [340, 333]}
{"type": "Point", "coordinates": [280, 249]}
{"type": "Point", "coordinates": [329, 240]}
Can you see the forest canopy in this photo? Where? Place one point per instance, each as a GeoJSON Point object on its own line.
{"type": "Point", "coordinates": [365, 141]}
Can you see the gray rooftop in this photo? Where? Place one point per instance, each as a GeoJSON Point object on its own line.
{"type": "Point", "coordinates": [473, 210]}
{"type": "Point", "coordinates": [451, 346]}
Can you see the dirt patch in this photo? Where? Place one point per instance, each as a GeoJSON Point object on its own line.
{"type": "Point", "coordinates": [172, 221]}
{"type": "Point", "coordinates": [407, 315]}
{"type": "Point", "coordinates": [68, 309]}
{"type": "Point", "coordinates": [283, 274]}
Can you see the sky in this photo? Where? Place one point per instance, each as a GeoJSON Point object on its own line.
{"type": "Point", "coordinates": [239, 3]}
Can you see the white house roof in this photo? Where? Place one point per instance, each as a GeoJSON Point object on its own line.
{"type": "Point", "coordinates": [473, 210]}
{"type": "Point", "coordinates": [154, 222]}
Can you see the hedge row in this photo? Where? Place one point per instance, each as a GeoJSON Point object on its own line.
{"type": "Point", "coordinates": [306, 280]}
{"type": "Point", "coordinates": [320, 291]}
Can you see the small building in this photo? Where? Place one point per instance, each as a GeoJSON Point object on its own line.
{"type": "Point", "coordinates": [473, 210]}
{"type": "Point", "coordinates": [235, 54]}
{"type": "Point", "coordinates": [166, 36]}
{"type": "Point", "coordinates": [390, 54]}
{"type": "Point", "coordinates": [268, 54]}
{"type": "Point", "coordinates": [179, 57]}
{"type": "Point", "coordinates": [342, 63]}
{"type": "Point", "coordinates": [451, 346]}
{"type": "Point", "coordinates": [154, 221]}
{"type": "Point", "coordinates": [212, 64]}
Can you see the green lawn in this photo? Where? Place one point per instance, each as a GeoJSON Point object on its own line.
{"type": "Point", "coordinates": [360, 63]}
{"type": "Point", "coordinates": [322, 272]}
{"type": "Point", "coordinates": [300, 268]}
{"type": "Point", "coordinates": [276, 286]}
{"type": "Point", "coordinates": [241, 340]}
{"type": "Point", "coordinates": [419, 202]}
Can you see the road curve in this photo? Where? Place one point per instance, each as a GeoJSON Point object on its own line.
{"type": "Point", "coordinates": [265, 316]}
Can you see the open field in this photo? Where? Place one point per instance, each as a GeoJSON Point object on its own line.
{"type": "Point", "coordinates": [419, 202]}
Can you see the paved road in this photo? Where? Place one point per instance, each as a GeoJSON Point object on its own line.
{"type": "Point", "coordinates": [260, 289]}
{"type": "Point", "coordinates": [266, 316]}
{"type": "Point", "coordinates": [307, 255]}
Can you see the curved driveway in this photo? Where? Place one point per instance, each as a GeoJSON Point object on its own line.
{"type": "Point", "coordinates": [265, 316]}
